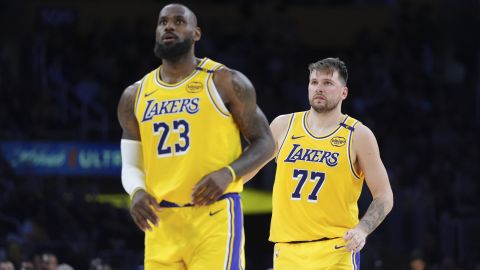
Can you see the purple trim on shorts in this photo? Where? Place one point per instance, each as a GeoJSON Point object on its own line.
{"type": "Point", "coordinates": [230, 225]}
{"type": "Point", "coordinates": [356, 260]}
{"type": "Point", "coordinates": [237, 233]}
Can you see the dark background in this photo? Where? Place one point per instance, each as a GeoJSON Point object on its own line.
{"type": "Point", "coordinates": [414, 80]}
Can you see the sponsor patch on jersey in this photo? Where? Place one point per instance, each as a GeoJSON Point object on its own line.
{"type": "Point", "coordinates": [338, 141]}
{"type": "Point", "coordinates": [194, 87]}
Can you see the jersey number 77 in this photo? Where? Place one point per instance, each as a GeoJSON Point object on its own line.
{"type": "Point", "coordinates": [301, 176]}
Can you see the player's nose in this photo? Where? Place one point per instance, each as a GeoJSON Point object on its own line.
{"type": "Point", "coordinates": [170, 26]}
{"type": "Point", "coordinates": [318, 89]}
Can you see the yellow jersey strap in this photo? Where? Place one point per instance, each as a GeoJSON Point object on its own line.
{"type": "Point", "coordinates": [209, 66]}
{"type": "Point", "coordinates": [349, 123]}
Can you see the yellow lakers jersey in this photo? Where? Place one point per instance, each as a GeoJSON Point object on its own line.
{"type": "Point", "coordinates": [186, 132]}
{"type": "Point", "coordinates": [316, 186]}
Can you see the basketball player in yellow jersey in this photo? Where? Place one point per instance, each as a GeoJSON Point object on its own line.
{"type": "Point", "coordinates": [323, 157]}
{"type": "Point", "coordinates": [182, 161]}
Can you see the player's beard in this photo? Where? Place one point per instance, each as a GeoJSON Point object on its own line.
{"type": "Point", "coordinates": [174, 51]}
{"type": "Point", "coordinates": [326, 107]}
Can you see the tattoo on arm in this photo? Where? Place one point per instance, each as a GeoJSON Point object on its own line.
{"type": "Point", "coordinates": [126, 114]}
{"type": "Point", "coordinates": [375, 214]}
{"type": "Point", "coordinates": [245, 113]}
{"type": "Point", "coordinates": [243, 90]}
{"type": "Point", "coordinates": [251, 122]}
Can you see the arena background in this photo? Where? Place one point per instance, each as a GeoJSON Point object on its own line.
{"type": "Point", "coordinates": [414, 80]}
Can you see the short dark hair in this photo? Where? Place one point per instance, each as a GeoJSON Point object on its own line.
{"type": "Point", "coordinates": [331, 65]}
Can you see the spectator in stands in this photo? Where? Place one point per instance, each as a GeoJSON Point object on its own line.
{"type": "Point", "coordinates": [26, 265]}
{"type": "Point", "coordinates": [417, 262]}
{"type": "Point", "coordinates": [7, 265]}
{"type": "Point", "coordinates": [49, 262]}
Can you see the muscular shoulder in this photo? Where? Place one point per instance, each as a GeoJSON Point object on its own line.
{"type": "Point", "coordinates": [224, 76]}
{"type": "Point", "coordinates": [363, 139]}
{"type": "Point", "coordinates": [131, 90]}
{"type": "Point", "coordinates": [280, 123]}
{"type": "Point", "coordinates": [126, 113]}
{"type": "Point", "coordinates": [127, 100]}
{"type": "Point", "coordinates": [279, 128]}
{"type": "Point", "coordinates": [233, 84]}
{"type": "Point", "coordinates": [362, 132]}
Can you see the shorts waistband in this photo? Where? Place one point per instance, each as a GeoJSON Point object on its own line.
{"type": "Point", "coordinates": [168, 204]}
{"type": "Point", "coordinates": [309, 241]}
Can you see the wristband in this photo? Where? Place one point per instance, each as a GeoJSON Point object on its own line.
{"type": "Point", "coordinates": [234, 176]}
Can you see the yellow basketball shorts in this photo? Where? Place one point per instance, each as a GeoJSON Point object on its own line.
{"type": "Point", "coordinates": [197, 237]}
{"type": "Point", "coordinates": [318, 255]}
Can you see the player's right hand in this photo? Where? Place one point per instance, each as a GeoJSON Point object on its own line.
{"type": "Point", "coordinates": [143, 210]}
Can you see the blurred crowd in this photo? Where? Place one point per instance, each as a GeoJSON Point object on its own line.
{"type": "Point", "coordinates": [415, 83]}
{"type": "Point", "coordinates": [48, 261]}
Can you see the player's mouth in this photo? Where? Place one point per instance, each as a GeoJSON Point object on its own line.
{"type": "Point", "coordinates": [169, 37]}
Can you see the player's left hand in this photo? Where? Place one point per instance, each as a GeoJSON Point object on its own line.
{"type": "Point", "coordinates": [355, 239]}
{"type": "Point", "coordinates": [211, 187]}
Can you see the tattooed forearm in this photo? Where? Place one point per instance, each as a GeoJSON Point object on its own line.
{"type": "Point", "coordinates": [375, 214]}
{"type": "Point", "coordinates": [252, 123]}
{"type": "Point", "coordinates": [261, 145]}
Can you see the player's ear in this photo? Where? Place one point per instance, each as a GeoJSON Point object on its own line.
{"type": "Point", "coordinates": [344, 92]}
{"type": "Point", "coordinates": [197, 34]}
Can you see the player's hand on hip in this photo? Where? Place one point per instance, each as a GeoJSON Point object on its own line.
{"type": "Point", "coordinates": [211, 187]}
{"type": "Point", "coordinates": [143, 210]}
{"type": "Point", "coordinates": [355, 239]}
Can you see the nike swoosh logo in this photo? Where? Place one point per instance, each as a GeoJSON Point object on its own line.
{"type": "Point", "coordinates": [148, 94]}
{"type": "Point", "coordinates": [338, 247]}
{"type": "Point", "coordinates": [297, 137]}
{"type": "Point", "coordinates": [214, 213]}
